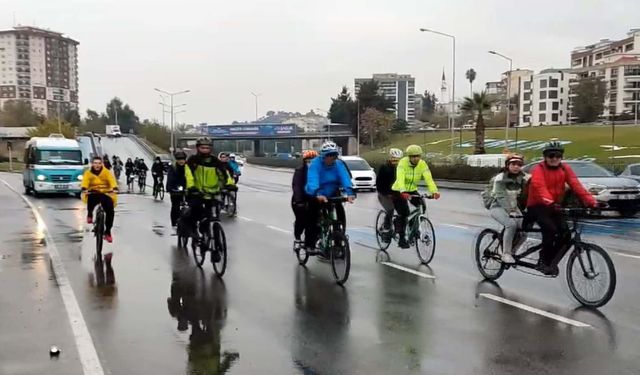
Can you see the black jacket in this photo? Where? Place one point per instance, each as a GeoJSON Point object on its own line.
{"type": "Point", "coordinates": [298, 183]}
{"type": "Point", "coordinates": [385, 178]}
{"type": "Point", "coordinates": [176, 178]}
{"type": "Point", "coordinates": [157, 169]}
{"type": "Point", "coordinates": [129, 167]}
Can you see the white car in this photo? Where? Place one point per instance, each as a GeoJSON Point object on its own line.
{"type": "Point", "coordinates": [362, 175]}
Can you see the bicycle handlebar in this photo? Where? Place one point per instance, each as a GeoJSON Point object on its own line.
{"type": "Point", "coordinates": [422, 195]}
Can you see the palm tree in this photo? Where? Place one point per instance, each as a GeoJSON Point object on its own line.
{"type": "Point", "coordinates": [478, 104]}
{"type": "Point", "coordinates": [471, 76]}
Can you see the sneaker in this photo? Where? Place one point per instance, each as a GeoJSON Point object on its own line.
{"type": "Point", "coordinates": [89, 220]}
{"type": "Point", "coordinates": [403, 244]}
{"type": "Point", "coordinates": [547, 269]}
{"type": "Point", "coordinates": [215, 256]}
{"type": "Point", "coordinates": [508, 258]}
{"type": "Point", "coordinates": [108, 238]}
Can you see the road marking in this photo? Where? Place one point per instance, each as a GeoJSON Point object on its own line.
{"type": "Point", "coordinates": [627, 255]}
{"type": "Point", "coordinates": [456, 226]}
{"type": "Point", "coordinates": [366, 245]}
{"type": "Point", "coordinates": [84, 343]}
{"type": "Point", "coordinates": [245, 218]}
{"type": "Point", "coordinates": [279, 229]}
{"type": "Point", "coordinates": [402, 268]}
{"type": "Point", "coordinates": [534, 310]}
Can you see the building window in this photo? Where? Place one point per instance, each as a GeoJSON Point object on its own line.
{"type": "Point", "coordinates": [542, 117]}
{"type": "Point", "coordinates": [554, 117]}
{"type": "Point", "coordinates": [527, 96]}
{"type": "Point", "coordinates": [543, 94]}
{"type": "Point", "coordinates": [526, 107]}
{"type": "Point", "coordinates": [555, 106]}
{"type": "Point", "coordinates": [526, 119]}
{"type": "Point", "coordinates": [553, 82]}
{"type": "Point", "coordinates": [628, 47]}
{"type": "Point", "coordinates": [543, 83]}
{"type": "Point", "coordinates": [542, 106]}
{"type": "Point", "coordinates": [553, 94]}
{"type": "Point", "coordinates": [561, 101]}
{"type": "Point", "coordinates": [527, 85]}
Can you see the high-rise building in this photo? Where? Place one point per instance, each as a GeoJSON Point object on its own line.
{"type": "Point", "coordinates": [39, 66]}
{"type": "Point", "coordinates": [544, 98]}
{"type": "Point", "coordinates": [617, 63]}
{"type": "Point", "coordinates": [398, 87]}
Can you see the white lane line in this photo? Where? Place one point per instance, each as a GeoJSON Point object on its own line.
{"type": "Point", "coordinates": [84, 343]}
{"type": "Point", "coordinates": [534, 310]}
{"type": "Point", "coordinates": [405, 269]}
{"type": "Point", "coordinates": [279, 229]}
{"type": "Point", "coordinates": [366, 245]}
{"type": "Point", "coordinates": [245, 218]}
{"type": "Point", "coordinates": [456, 226]}
{"type": "Point", "coordinates": [627, 255]}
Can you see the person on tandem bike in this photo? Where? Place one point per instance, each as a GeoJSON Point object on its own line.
{"type": "Point", "coordinates": [206, 177]}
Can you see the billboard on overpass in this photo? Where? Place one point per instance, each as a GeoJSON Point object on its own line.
{"type": "Point", "coordinates": [258, 130]}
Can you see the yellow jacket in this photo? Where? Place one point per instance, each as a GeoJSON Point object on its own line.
{"type": "Point", "coordinates": [408, 176]}
{"type": "Point", "coordinates": [102, 183]}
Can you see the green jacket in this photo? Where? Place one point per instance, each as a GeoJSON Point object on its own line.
{"type": "Point", "coordinates": [408, 176]}
{"type": "Point", "coordinates": [508, 191]}
{"type": "Point", "coordinates": [207, 175]}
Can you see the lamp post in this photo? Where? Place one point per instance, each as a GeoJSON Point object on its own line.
{"type": "Point", "coordinates": [256, 98]}
{"type": "Point", "coordinates": [171, 95]}
{"type": "Point", "coordinates": [506, 131]}
{"type": "Point", "coordinates": [453, 90]}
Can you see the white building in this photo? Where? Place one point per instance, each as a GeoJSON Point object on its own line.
{"type": "Point", "coordinates": [618, 64]}
{"type": "Point", "coordinates": [39, 66]}
{"type": "Point", "coordinates": [398, 87]}
{"type": "Point", "coordinates": [544, 98]}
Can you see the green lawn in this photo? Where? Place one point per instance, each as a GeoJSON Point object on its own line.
{"type": "Point", "coordinates": [17, 166]}
{"type": "Point", "coordinates": [586, 141]}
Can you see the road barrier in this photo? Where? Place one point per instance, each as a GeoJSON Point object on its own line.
{"type": "Point", "coordinates": [152, 154]}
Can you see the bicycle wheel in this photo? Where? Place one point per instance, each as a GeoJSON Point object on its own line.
{"type": "Point", "coordinates": [340, 257]}
{"type": "Point", "coordinates": [384, 237]}
{"type": "Point", "coordinates": [591, 275]}
{"type": "Point", "coordinates": [232, 207]}
{"type": "Point", "coordinates": [220, 244]}
{"type": "Point", "coordinates": [301, 253]}
{"type": "Point", "coordinates": [161, 192]}
{"type": "Point", "coordinates": [487, 254]}
{"type": "Point", "coordinates": [425, 240]}
{"type": "Point", "coordinates": [98, 229]}
{"type": "Point", "coordinates": [200, 250]}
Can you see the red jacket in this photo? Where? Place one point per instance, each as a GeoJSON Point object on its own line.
{"type": "Point", "coordinates": [547, 186]}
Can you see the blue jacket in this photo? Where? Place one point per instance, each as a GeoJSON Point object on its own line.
{"type": "Point", "coordinates": [235, 167]}
{"type": "Point", "coordinates": [327, 180]}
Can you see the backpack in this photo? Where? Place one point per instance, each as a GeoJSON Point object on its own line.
{"type": "Point", "coordinates": [487, 196]}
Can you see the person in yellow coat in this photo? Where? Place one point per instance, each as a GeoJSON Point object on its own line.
{"type": "Point", "coordinates": [99, 186]}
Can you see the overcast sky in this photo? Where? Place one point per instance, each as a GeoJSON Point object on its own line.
{"type": "Point", "coordinates": [298, 53]}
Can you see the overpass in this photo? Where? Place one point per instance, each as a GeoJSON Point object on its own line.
{"type": "Point", "coordinates": [261, 139]}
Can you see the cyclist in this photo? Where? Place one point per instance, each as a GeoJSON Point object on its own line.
{"type": "Point", "coordinates": [157, 172]}
{"type": "Point", "coordinates": [106, 162]}
{"type": "Point", "coordinates": [385, 178]}
{"type": "Point", "coordinates": [117, 166]}
{"type": "Point", "coordinates": [545, 196]}
{"type": "Point", "coordinates": [506, 196]}
{"type": "Point", "coordinates": [206, 177]}
{"type": "Point", "coordinates": [99, 186]}
{"type": "Point", "coordinates": [177, 185]}
{"type": "Point", "coordinates": [237, 172]}
{"type": "Point", "coordinates": [141, 168]}
{"type": "Point", "coordinates": [325, 178]}
{"type": "Point", "coordinates": [411, 169]}
{"type": "Point", "coordinates": [299, 199]}
{"type": "Point", "coordinates": [231, 190]}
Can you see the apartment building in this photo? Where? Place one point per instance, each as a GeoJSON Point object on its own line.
{"type": "Point", "coordinates": [39, 66]}
{"type": "Point", "coordinates": [544, 98]}
{"type": "Point", "coordinates": [398, 87]}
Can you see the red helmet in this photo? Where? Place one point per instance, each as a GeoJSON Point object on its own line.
{"type": "Point", "coordinates": [309, 154]}
{"type": "Point", "coordinates": [511, 158]}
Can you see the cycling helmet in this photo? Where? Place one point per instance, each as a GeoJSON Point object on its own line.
{"type": "Point", "coordinates": [309, 154]}
{"type": "Point", "coordinates": [329, 148]}
{"type": "Point", "coordinates": [513, 158]}
{"type": "Point", "coordinates": [204, 141]}
{"type": "Point", "coordinates": [180, 155]}
{"type": "Point", "coordinates": [414, 150]}
{"type": "Point", "coordinates": [395, 153]}
{"type": "Point", "coordinates": [221, 154]}
{"type": "Point", "coordinates": [232, 155]}
{"type": "Point", "coordinates": [553, 146]}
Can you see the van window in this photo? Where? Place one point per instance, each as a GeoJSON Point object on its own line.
{"type": "Point", "coordinates": [67, 157]}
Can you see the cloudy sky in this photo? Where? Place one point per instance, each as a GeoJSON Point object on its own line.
{"type": "Point", "coordinates": [298, 53]}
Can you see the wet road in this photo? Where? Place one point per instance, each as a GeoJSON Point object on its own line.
{"type": "Point", "coordinates": [157, 313]}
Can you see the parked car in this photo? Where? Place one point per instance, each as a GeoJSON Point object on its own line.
{"type": "Point", "coordinates": [632, 171]}
{"type": "Point", "coordinates": [362, 175]}
{"type": "Point", "coordinates": [619, 193]}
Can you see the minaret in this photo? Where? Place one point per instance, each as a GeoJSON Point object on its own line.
{"type": "Point", "coordinates": [443, 90]}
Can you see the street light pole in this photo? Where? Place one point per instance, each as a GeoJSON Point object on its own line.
{"type": "Point", "coordinates": [171, 95]}
{"type": "Point", "coordinates": [453, 90]}
{"type": "Point", "coordinates": [256, 98]}
{"type": "Point", "coordinates": [506, 132]}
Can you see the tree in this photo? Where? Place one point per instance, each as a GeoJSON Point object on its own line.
{"type": "Point", "coordinates": [127, 118]}
{"type": "Point", "coordinates": [73, 118]}
{"type": "Point", "coordinates": [344, 110]}
{"type": "Point", "coordinates": [429, 103]}
{"type": "Point", "coordinates": [50, 126]}
{"type": "Point", "coordinates": [155, 133]}
{"type": "Point", "coordinates": [18, 113]}
{"type": "Point", "coordinates": [399, 125]}
{"type": "Point", "coordinates": [471, 76]}
{"type": "Point", "coordinates": [478, 104]}
{"type": "Point", "coordinates": [94, 122]}
{"type": "Point", "coordinates": [589, 102]}
{"type": "Point", "coordinates": [370, 96]}
{"type": "Point", "coordinates": [375, 125]}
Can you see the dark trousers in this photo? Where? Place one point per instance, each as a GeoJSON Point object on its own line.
{"type": "Point", "coordinates": [403, 210]}
{"type": "Point", "coordinates": [107, 205]}
{"type": "Point", "coordinates": [176, 199]}
{"type": "Point", "coordinates": [386, 200]}
{"type": "Point", "coordinates": [300, 224]}
{"type": "Point", "coordinates": [555, 231]}
{"type": "Point", "coordinates": [157, 180]}
{"type": "Point", "coordinates": [312, 230]}
{"type": "Point", "coordinates": [199, 209]}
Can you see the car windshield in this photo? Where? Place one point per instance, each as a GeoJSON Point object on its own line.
{"type": "Point", "coordinates": [358, 165]}
{"type": "Point", "coordinates": [589, 170]}
{"type": "Point", "coordinates": [59, 157]}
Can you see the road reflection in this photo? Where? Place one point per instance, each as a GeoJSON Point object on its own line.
{"type": "Point", "coordinates": [199, 301]}
{"type": "Point", "coordinates": [102, 279]}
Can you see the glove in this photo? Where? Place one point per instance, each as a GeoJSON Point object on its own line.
{"type": "Point", "coordinates": [405, 196]}
{"type": "Point", "coordinates": [436, 195]}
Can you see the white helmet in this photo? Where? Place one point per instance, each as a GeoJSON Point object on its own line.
{"type": "Point", "coordinates": [396, 153]}
{"type": "Point", "coordinates": [328, 148]}
{"type": "Point", "coordinates": [232, 155]}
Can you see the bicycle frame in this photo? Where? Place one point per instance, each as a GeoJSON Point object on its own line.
{"type": "Point", "coordinates": [328, 220]}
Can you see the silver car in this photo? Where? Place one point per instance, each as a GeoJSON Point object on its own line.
{"type": "Point", "coordinates": [632, 171]}
{"type": "Point", "coordinates": [619, 193]}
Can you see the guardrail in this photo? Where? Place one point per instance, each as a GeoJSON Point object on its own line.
{"type": "Point", "coordinates": [148, 150]}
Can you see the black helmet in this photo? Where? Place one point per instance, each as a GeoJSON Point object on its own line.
{"type": "Point", "coordinates": [204, 141]}
{"type": "Point", "coordinates": [180, 155]}
{"type": "Point", "coordinates": [553, 146]}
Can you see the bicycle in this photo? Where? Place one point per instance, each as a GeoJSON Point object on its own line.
{"type": "Point", "coordinates": [181, 229]}
{"type": "Point", "coordinates": [332, 243]}
{"type": "Point", "coordinates": [419, 231]}
{"type": "Point", "coordinates": [99, 227]}
{"type": "Point", "coordinates": [209, 236]}
{"type": "Point", "coordinates": [142, 180]}
{"type": "Point", "coordinates": [230, 202]}
{"type": "Point", "coordinates": [582, 260]}
{"type": "Point", "coordinates": [117, 170]}
{"type": "Point", "coordinates": [158, 188]}
{"type": "Point", "coordinates": [131, 181]}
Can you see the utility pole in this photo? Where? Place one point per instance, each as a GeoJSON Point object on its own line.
{"type": "Point", "coordinates": [171, 95]}
{"type": "Point", "coordinates": [506, 131]}
{"type": "Point", "coordinates": [256, 100]}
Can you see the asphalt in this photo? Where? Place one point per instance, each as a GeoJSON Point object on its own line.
{"type": "Point", "coordinates": [158, 313]}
